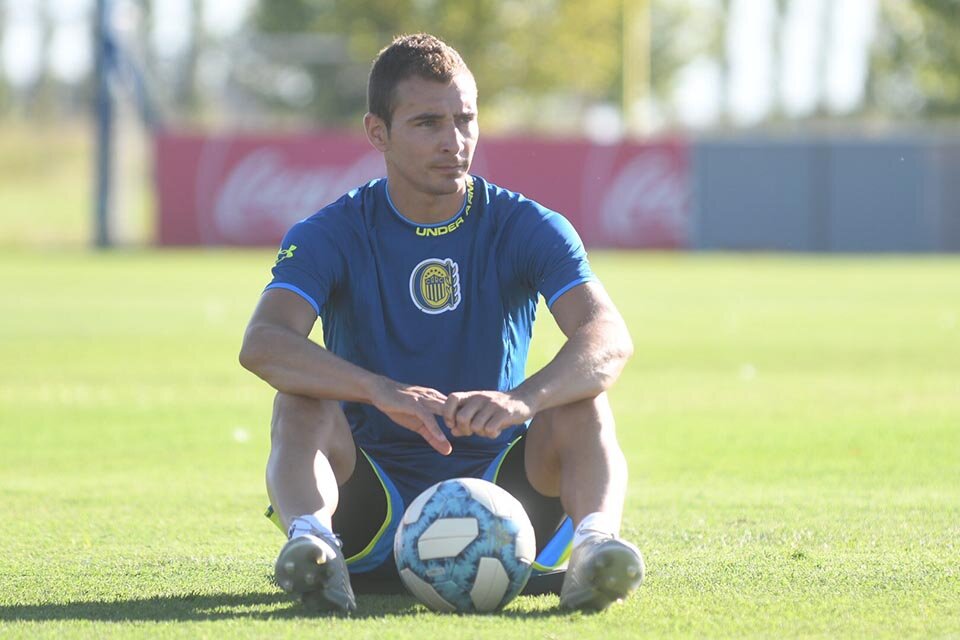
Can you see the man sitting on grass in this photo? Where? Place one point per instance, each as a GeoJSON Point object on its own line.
{"type": "Point", "coordinates": [427, 283]}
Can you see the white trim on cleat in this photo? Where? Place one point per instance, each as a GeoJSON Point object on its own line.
{"type": "Point", "coordinates": [602, 570]}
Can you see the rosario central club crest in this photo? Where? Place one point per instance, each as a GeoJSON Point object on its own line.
{"type": "Point", "coordinates": [435, 285]}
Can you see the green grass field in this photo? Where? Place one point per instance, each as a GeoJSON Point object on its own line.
{"type": "Point", "coordinates": [792, 426]}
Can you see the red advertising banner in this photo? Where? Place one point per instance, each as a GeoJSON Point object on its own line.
{"type": "Point", "coordinates": [248, 190]}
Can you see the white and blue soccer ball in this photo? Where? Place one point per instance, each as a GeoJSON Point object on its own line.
{"type": "Point", "coordinates": [465, 545]}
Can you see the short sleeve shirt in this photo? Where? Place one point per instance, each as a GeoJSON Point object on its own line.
{"type": "Point", "coordinates": [449, 306]}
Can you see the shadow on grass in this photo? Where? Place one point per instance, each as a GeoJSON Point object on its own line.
{"type": "Point", "coordinates": [220, 606]}
{"type": "Point", "coordinates": [224, 606]}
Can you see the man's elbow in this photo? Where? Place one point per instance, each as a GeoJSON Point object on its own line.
{"type": "Point", "coordinates": [626, 348]}
{"type": "Point", "coordinates": [252, 352]}
{"type": "Point", "coordinates": [622, 345]}
{"type": "Point", "coordinates": [622, 352]}
{"type": "Point", "coordinates": [619, 349]}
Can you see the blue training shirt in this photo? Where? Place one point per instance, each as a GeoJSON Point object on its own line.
{"type": "Point", "coordinates": [449, 306]}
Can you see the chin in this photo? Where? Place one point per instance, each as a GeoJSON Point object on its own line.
{"type": "Point", "coordinates": [449, 185]}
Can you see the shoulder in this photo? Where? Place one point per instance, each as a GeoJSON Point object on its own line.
{"type": "Point", "coordinates": [512, 210]}
{"type": "Point", "coordinates": [508, 207]}
{"type": "Point", "coordinates": [349, 214]}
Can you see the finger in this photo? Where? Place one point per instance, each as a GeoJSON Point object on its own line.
{"type": "Point", "coordinates": [433, 435]}
{"type": "Point", "coordinates": [450, 413]}
{"type": "Point", "coordinates": [434, 395]}
{"type": "Point", "coordinates": [495, 426]}
{"type": "Point", "coordinates": [434, 405]}
{"type": "Point", "coordinates": [485, 418]}
{"type": "Point", "coordinates": [418, 423]}
{"type": "Point", "coordinates": [466, 413]}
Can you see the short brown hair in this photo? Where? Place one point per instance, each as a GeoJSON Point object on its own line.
{"type": "Point", "coordinates": [419, 54]}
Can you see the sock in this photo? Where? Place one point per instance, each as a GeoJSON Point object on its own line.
{"type": "Point", "coordinates": [594, 523]}
{"type": "Point", "coordinates": [308, 525]}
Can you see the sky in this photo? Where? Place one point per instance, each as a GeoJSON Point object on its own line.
{"type": "Point", "coordinates": [697, 99]}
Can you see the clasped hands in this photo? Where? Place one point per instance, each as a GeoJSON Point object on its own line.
{"type": "Point", "coordinates": [482, 413]}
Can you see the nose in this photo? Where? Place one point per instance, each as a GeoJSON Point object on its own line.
{"type": "Point", "coordinates": [452, 140]}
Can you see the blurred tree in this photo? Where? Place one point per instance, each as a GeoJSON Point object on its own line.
{"type": "Point", "coordinates": [145, 27]}
{"type": "Point", "coordinates": [4, 84]}
{"type": "Point", "coordinates": [778, 35]}
{"type": "Point", "coordinates": [537, 62]}
{"type": "Point", "coordinates": [185, 88]}
{"type": "Point", "coordinates": [677, 37]}
{"type": "Point", "coordinates": [720, 51]}
{"type": "Point", "coordinates": [824, 59]}
{"type": "Point", "coordinates": [915, 67]}
{"type": "Point", "coordinates": [40, 93]}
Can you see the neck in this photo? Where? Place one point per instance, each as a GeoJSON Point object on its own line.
{"type": "Point", "coordinates": [424, 207]}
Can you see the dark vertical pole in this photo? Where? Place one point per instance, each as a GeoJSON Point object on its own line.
{"type": "Point", "coordinates": [103, 115]}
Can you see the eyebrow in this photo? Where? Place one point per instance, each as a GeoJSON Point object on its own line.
{"type": "Point", "coordinates": [426, 116]}
{"type": "Point", "coordinates": [420, 117]}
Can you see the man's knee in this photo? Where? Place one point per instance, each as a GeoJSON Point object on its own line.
{"type": "Point", "coordinates": [588, 416]}
{"type": "Point", "coordinates": [567, 433]}
{"type": "Point", "coordinates": [310, 425]}
{"type": "Point", "coordinates": [307, 419]}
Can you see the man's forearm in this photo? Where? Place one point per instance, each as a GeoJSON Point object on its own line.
{"type": "Point", "coordinates": [294, 364]}
{"type": "Point", "coordinates": [587, 365]}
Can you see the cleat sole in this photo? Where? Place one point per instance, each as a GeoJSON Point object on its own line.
{"type": "Point", "coordinates": [314, 572]}
{"type": "Point", "coordinates": [615, 571]}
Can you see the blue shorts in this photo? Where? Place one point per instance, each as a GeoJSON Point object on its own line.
{"type": "Point", "coordinates": [372, 503]}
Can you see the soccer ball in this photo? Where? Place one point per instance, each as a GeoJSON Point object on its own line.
{"type": "Point", "coordinates": [464, 545]}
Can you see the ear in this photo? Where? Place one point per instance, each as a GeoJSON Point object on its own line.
{"type": "Point", "coordinates": [377, 132]}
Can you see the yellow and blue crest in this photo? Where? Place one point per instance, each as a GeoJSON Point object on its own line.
{"type": "Point", "coordinates": [435, 285]}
